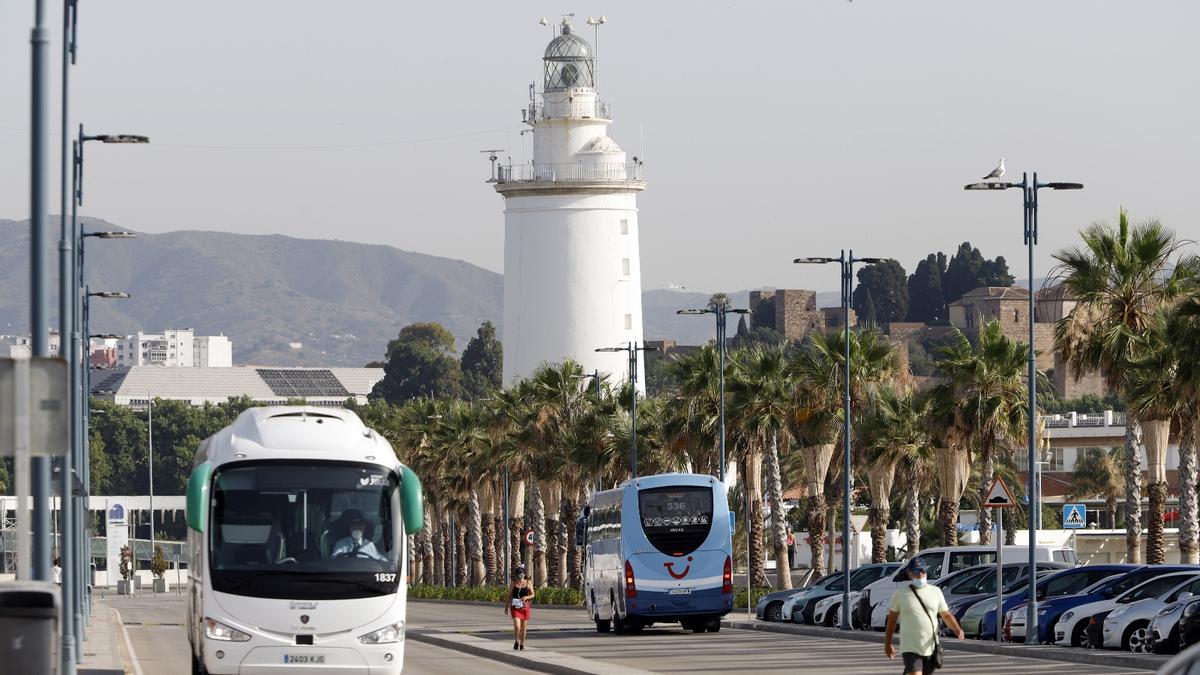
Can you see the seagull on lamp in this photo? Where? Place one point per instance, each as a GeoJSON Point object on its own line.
{"type": "Point", "coordinates": [996, 172]}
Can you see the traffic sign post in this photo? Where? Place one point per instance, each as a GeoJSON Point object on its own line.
{"type": "Point", "coordinates": [999, 498]}
{"type": "Point", "coordinates": [1074, 516]}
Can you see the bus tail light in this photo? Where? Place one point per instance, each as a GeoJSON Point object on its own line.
{"type": "Point", "coordinates": [630, 588]}
{"type": "Point", "coordinates": [727, 578]}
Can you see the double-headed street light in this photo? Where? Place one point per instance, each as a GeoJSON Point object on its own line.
{"type": "Point", "coordinates": [1029, 198]}
{"type": "Point", "coordinates": [720, 310]}
{"type": "Point", "coordinates": [632, 349]}
{"type": "Point", "coordinates": [847, 264]}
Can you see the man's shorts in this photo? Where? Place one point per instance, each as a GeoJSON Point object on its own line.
{"type": "Point", "coordinates": [915, 663]}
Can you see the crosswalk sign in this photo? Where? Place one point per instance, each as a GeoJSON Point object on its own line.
{"type": "Point", "coordinates": [1074, 516]}
{"type": "Point", "coordinates": [998, 495]}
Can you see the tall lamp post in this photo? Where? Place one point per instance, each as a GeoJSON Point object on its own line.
{"type": "Point", "coordinates": [632, 349]}
{"type": "Point", "coordinates": [1029, 199]}
{"type": "Point", "coordinates": [720, 311]}
{"type": "Point", "coordinates": [595, 377]}
{"type": "Point", "coordinates": [847, 265]}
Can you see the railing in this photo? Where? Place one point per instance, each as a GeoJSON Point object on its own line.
{"type": "Point", "coordinates": [1077, 420]}
{"type": "Point", "coordinates": [582, 108]}
{"type": "Point", "coordinates": [613, 172]}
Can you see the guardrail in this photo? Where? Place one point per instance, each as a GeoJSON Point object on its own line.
{"type": "Point", "coordinates": [583, 108]}
{"type": "Point", "coordinates": [611, 172]}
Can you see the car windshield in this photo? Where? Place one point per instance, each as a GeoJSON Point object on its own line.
{"type": "Point", "coordinates": [1134, 579]}
{"type": "Point", "coordinates": [965, 582]}
{"type": "Point", "coordinates": [305, 530]}
{"type": "Point", "coordinates": [1098, 586]}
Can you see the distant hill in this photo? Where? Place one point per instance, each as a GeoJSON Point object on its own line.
{"type": "Point", "coordinates": [342, 301]}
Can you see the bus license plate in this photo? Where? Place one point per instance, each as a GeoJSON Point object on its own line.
{"type": "Point", "coordinates": [304, 658]}
{"type": "Point", "coordinates": [679, 591]}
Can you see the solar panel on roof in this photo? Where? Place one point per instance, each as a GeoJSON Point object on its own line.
{"type": "Point", "coordinates": [298, 383]}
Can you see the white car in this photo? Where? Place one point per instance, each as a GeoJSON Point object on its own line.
{"type": "Point", "coordinates": [1014, 619]}
{"type": "Point", "coordinates": [1128, 625]}
{"type": "Point", "coordinates": [1164, 639]}
{"type": "Point", "coordinates": [828, 611]}
{"type": "Point", "coordinates": [1071, 628]}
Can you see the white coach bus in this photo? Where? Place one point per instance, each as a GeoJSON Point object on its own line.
{"type": "Point", "coordinates": [297, 518]}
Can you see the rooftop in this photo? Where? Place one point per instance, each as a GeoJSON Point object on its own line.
{"type": "Point", "coordinates": [136, 384]}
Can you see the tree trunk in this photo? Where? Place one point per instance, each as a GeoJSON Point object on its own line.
{"type": "Point", "coordinates": [428, 564]}
{"type": "Point", "coordinates": [516, 524]}
{"type": "Point", "coordinates": [912, 514]}
{"type": "Point", "coordinates": [414, 560]}
{"type": "Point", "coordinates": [948, 521]}
{"type": "Point", "coordinates": [816, 532]}
{"type": "Point", "coordinates": [1156, 553]}
{"type": "Point", "coordinates": [986, 475]}
{"type": "Point", "coordinates": [758, 572]}
{"type": "Point", "coordinates": [783, 571]}
{"type": "Point", "coordinates": [1133, 491]}
{"type": "Point", "coordinates": [475, 539]}
{"type": "Point", "coordinates": [1156, 435]}
{"type": "Point", "coordinates": [568, 512]}
{"type": "Point", "coordinates": [463, 572]}
{"type": "Point", "coordinates": [551, 492]}
{"type": "Point", "coordinates": [954, 468]}
{"type": "Point", "coordinates": [1189, 528]}
{"type": "Point", "coordinates": [1110, 503]}
{"type": "Point", "coordinates": [537, 517]}
{"type": "Point", "coordinates": [487, 527]}
{"type": "Point", "coordinates": [447, 541]}
{"type": "Point", "coordinates": [880, 475]}
{"type": "Point", "coordinates": [439, 552]}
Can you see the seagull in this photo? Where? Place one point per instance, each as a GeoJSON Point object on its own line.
{"type": "Point", "coordinates": [996, 172]}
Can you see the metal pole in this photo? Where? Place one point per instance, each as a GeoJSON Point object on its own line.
{"type": "Point", "coordinates": [453, 552]}
{"type": "Point", "coordinates": [1000, 573]}
{"type": "Point", "coordinates": [847, 284]}
{"type": "Point", "coordinates": [633, 404]}
{"type": "Point", "coordinates": [71, 571]}
{"type": "Point", "coordinates": [39, 166]}
{"type": "Point", "coordinates": [746, 493]}
{"type": "Point", "coordinates": [150, 461]}
{"type": "Point", "coordinates": [721, 370]}
{"type": "Point", "coordinates": [600, 471]}
{"type": "Point", "coordinates": [1031, 621]}
{"type": "Point", "coordinates": [507, 535]}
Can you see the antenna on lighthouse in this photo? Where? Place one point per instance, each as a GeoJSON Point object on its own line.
{"type": "Point", "coordinates": [492, 156]}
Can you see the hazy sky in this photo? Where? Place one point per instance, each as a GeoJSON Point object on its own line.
{"type": "Point", "coordinates": [769, 130]}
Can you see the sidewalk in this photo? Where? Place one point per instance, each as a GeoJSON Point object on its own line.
{"type": "Point", "coordinates": [102, 649]}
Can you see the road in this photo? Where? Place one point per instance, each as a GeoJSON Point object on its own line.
{"type": "Point", "coordinates": [156, 631]}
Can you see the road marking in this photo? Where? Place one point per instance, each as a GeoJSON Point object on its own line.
{"type": "Point", "coordinates": [137, 667]}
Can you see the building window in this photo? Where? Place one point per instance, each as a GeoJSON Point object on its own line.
{"type": "Point", "coordinates": [624, 226]}
{"type": "Point", "coordinates": [625, 266]}
{"type": "Point", "coordinates": [628, 322]}
{"type": "Point", "coordinates": [1016, 316]}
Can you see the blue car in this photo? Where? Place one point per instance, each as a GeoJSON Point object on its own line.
{"type": "Point", "coordinates": [1125, 577]}
{"type": "Point", "coordinates": [1066, 582]}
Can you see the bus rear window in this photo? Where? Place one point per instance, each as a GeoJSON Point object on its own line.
{"type": "Point", "coordinates": [676, 520]}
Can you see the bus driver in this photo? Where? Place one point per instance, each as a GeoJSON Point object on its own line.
{"type": "Point", "coordinates": [355, 545]}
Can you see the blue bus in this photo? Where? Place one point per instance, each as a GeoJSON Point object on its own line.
{"type": "Point", "coordinates": [658, 549]}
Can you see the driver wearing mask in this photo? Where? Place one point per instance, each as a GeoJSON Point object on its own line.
{"type": "Point", "coordinates": [356, 545]}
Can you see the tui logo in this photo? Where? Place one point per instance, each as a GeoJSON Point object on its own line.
{"type": "Point", "coordinates": [671, 569]}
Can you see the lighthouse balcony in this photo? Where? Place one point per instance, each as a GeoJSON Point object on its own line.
{"type": "Point", "coordinates": [576, 172]}
{"type": "Point", "coordinates": [579, 107]}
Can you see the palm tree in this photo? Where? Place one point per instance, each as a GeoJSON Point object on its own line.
{"type": "Point", "coordinates": [762, 404]}
{"type": "Point", "coordinates": [1120, 277]}
{"type": "Point", "coordinates": [895, 433]}
{"type": "Point", "coordinates": [695, 406]}
{"type": "Point", "coordinates": [1099, 474]}
{"type": "Point", "coordinates": [988, 383]}
{"type": "Point", "coordinates": [952, 458]}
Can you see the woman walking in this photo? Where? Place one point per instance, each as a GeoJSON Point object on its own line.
{"type": "Point", "coordinates": [519, 598]}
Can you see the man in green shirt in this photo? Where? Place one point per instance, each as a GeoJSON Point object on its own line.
{"type": "Point", "coordinates": [917, 607]}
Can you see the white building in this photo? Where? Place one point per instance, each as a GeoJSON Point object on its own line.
{"type": "Point", "coordinates": [21, 346]}
{"type": "Point", "coordinates": [572, 272]}
{"type": "Point", "coordinates": [267, 385]}
{"type": "Point", "coordinates": [179, 348]}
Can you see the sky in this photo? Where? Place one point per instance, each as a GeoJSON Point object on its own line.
{"type": "Point", "coordinates": [769, 130]}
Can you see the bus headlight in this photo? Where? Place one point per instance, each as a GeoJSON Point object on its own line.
{"type": "Point", "coordinates": [215, 630]}
{"type": "Point", "coordinates": [392, 633]}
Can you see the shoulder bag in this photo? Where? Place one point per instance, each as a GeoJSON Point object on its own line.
{"type": "Point", "coordinates": [937, 658]}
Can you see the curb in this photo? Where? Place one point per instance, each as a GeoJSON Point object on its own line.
{"type": "Point", "coordinates": [134, 666]}
{"type": "Point", "coordinates": [537, 660]}
{"type": "Point", "coordinates": [1090, 657]}
{"type": "Point", "coordinates": [485, 603]}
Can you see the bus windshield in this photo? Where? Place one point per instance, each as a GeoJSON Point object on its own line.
{"type": "Point", "coordinates": [676, 520]}
{"type": "Point", "coordinates": [305, 530]}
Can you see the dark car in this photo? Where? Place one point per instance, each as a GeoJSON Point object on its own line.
{"type": "Point", "coordinates": [1095, 630]}
{"type": "Point", "coordinates": [770, 605]}
{"type": "Point", "coordinates": [1189, 625]}
{"type": "Point", "coordinates": [1124, 577]}
{"type": "Point", "coordinates": [803, 609]}
{"type": "Point", "coordinates": [1066, 582]}
{"type": "Point", "coordinates": [961, 595]}
{"type": "Point", "coordinates": [860, 614]}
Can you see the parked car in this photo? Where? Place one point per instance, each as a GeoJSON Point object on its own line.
{"type": "Point", "coordinates": [828, 611]}
{"type": "Point", "coordinates": [1186, 662]}
{"type": "Point", "coordinates": [943, 560]}
{"type": "Point", "coordinates": [1189, 625]}
{"type": "Point", "coordinates": [862, 608]}
{"type": "Point", "coordinates": [1056, 584]}
{"type": "Point", "coordinates": [1051, 611]}
{"type": "Point", "coordinates": [798, 608]}
{"type": "Point", "coordinates": [963, 595]}
{"type": "Point", "coordinates": [1128, 625]}
{"type": "Point", "coordinates": [1164, 633]}
{"type": "Point", "coordinates": [1015, 619]}
{"type": "Point", "coordinates": [1072, 628]}
{"type": "Point", "coordinates": [769, 605]}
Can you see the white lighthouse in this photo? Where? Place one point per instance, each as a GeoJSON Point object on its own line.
{"type": "Point", "coordinates": [572, 272]}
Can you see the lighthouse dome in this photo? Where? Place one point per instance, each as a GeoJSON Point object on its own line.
{"type": "Point", "coordinates": [569, 62]}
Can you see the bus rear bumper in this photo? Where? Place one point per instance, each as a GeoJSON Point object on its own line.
{"type": "Point", "coordinates": [663, 606]}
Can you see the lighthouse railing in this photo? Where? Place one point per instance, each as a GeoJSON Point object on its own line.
{"type": "Point", "coordinates": [588, 172]}
{"type": "Point", "coordinates": [581, 108]}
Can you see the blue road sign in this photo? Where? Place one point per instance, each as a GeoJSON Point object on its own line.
{"type": "Point", "coordinates": [1074, 516]}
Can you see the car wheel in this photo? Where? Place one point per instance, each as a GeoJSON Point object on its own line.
{"type": "Point", "coordinates": [1136, 638]}
{"type": "Point", "coordinates": [1170, 644]}
{"type": "Point", "coordinates": [831, 616]}
{"type": "Point", "coordinates": [1079, 636]}
{"type": "Point", "coordinates": [774, 612]}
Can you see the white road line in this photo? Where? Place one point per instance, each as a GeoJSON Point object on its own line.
{"type": "Point", "coordinates": [133, 659]}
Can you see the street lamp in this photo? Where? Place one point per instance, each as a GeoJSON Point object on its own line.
{"type": "Point", "coordinates": [720, 310]}
{"type": "Point", "coordinates": [595, 376]}
{"type": "Point", "coordinates": [847, 265]}
{"type": "Point", "coordinates": [1029, 199]}
{"type": "Point", "coordinates": [632, 349]}
{"type": "Point", "coordinates": [595, 23]}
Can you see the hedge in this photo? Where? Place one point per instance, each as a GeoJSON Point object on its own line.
{"type": "Point", "coordinates": [496, 594]}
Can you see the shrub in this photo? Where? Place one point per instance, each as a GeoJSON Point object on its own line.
{"type": "Point", "coordinates": [127, 562]}
{"type": "Point", "coordinates": [158, 563]}
{"type": "Point", "coordinates": [496, 594]}
{"type": "Point", "coordinates": [739, 598]}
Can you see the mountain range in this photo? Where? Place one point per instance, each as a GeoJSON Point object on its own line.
{"type": "Point", "coordinates": [287, 301]}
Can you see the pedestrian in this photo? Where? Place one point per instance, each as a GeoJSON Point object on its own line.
{"type": "Point", "coordinates": [57, 571]}
{"type": "Point", "coordinates": [917, 606]}
{"type": "Point", "coordinates": [791, 549]}
{"type": "Point", "coordinates": [520, 598]}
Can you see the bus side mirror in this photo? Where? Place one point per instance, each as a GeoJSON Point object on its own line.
{"type": "Point", "coordinates": [412, 502]}
{"type": "Point", "coordinates": [581, 531]}
{"type": "Point", "coordinates": [196, 508]}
